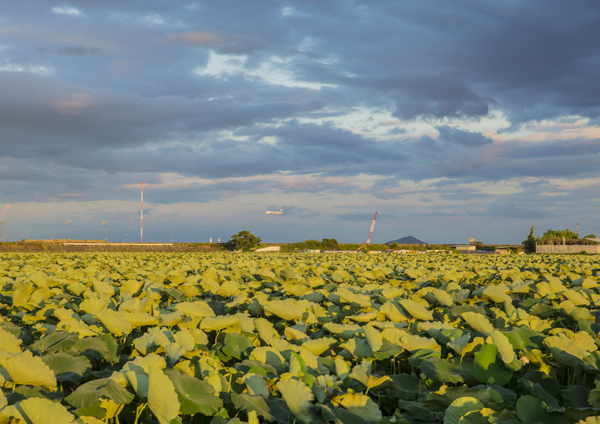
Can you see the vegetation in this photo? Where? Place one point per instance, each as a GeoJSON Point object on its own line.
{"type": "Point", "coordinates": [557, 234]}
{"type": "Point", "coordinates": [530, 241]}
{"type": "Point", "coordinates": [590, 236]}
{"type": "Point", "coordinates": [325, 244]}
{"type": "Point", "coordinates": [243, 240]}
{"type": "Point", "coordinates": [283, 338]}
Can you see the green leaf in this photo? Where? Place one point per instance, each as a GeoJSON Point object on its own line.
{"type": "Point", "coordinates": [162, 398]}
{"type": "Point", "coordinates": [443, 371]}
{"type": "Point", "coordinates": [39, 279]}
{"type": "Point", "coordinates": [114, 321]}
{"type": "Point", "coordinates": [235, 344]}
{"type": "Point", "coordinates": [362, 373]}
{"type": "Point", "coordinates": [268, 355]}
{"type": "Point", "coordinates": [91, 392]}
{"type": "Point", "coordinates": [10, 342]}
{"type": "Point", "coordinates": [256, 385]}
{"type": "Point", "coordinates": [67, 367]}
{"type": "Point", "coordinates": [461, 407]}
{"type": "Point", "coordinates": [407, 385]}
{"type": "Point", "coordinates": [477, 322]}
{"type": "Point", "coordinates": [320, 345]}
{"type": "Point", "coordinates": [30, 370]}
{"type": "Point", "coordinates": [507, 352]}
{"type": "Point", "coordinates": [523, 338]}
{"type": "Point", "coordinates": [57, 341]}
{"type": "Point", "coordinates": [43, 411]}
{"type": "Point", "coordinates": [531, 411]}
{"type": "Point", "coordinates": [488, 369]}
{"type": "Point", "coordinates": [252, 403]}
{"type": "Point", "coordinates": [219, 323]}
{"type": "Point", "coordinates": [285, 309]}
{"type": "Point", "coordinates": [415, 310]}
{"type": "Point", "coordinates": [340, 415]}
{"type": "Point", "coordinates": [360, 405]}
{"type": "Point", "coordinates": [373, 337]}
{"type": "Point", "coordinates": [298, 398]}
{"type": "Point", "coordinates": [195, 396]}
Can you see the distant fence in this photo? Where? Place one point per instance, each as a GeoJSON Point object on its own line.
{"type": "Point", "coordinates": [568, 248]}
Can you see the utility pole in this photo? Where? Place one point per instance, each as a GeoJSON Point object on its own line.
{"type": "Point", "coordinates": [142, 215]}
{"type": "Point", "coordinates": [2, 235]}
{"type": "Point", "coordinates": [69, 224]}
{"type": "Point", "coordinates": [578, 230]}
{"type": "Point", "coordinates": [105, 230]}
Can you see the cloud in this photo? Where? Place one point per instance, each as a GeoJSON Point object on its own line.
{"type": "Point", "coordinates": [66, 10]}
{"type": "Point", "coordinates": [463, 138]}
{"type": "Point", "coordinates": [72, 51]}
{"type": "Point", "coordinates": [4, 210]}
{"type": "Point", "coordinates": [223, 43]}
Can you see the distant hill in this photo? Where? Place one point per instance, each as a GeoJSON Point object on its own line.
{"type": "Point", "coordinates": [407, 240]}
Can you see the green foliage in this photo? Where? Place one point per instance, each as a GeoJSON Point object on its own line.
{"type": "Point", "coordinates": [198, 338]}
{"type": "Point", "coordinates": [553, 234]}
{"type": "Point", "coordinates": [530, 241]}
{"type": "Point", "coordinates": [325, 244]}
{"type": "Point", "coordinates": [243, 240]}
{"type": "Point", "coordinates": [590, 236]}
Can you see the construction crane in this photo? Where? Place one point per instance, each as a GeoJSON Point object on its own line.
{"type": "Point", "coordinates": [371, 229]}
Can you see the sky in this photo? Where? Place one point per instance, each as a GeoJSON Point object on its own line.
{"type": "Point", "coordinates": [451, 120]}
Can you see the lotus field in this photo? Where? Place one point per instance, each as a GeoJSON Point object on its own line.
{"type": "Point", "coordinates": [299, 338]}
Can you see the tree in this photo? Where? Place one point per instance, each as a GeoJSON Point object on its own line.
{"type": "Point", "coordinates": [558, 234]}
{"type": "Point", "coordinates": [530, 241]}
{"type": "Point", "coordinates": [590, 236]}
{"type": "Point", "coordinates": [243, 240]}
{"type": "Point", "coordinates": [330, 244]}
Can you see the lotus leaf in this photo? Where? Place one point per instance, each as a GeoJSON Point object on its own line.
{"type": "Point", "coordinates": [362, 373]}
{"type": "Point", "coordinates": [43, 411]}
{"type": "Point", "coordinates": [268, 355]}
{"type": "Point", "coordinates": [219, 323]}
{"type": "Point", "coordinates": [415, 310]}
{"type": "Point", "coordinates": [114, 321]}
{"type": "Point", "coordinates": [358, 348]}
{"type": "Point", "coordinates": [195, 396]}
{"type": "Point", "coordinates": [345, 331]}
{"type": "Point", "coordinates": [461, 407]}
{"type": "Point", "coordinates": [488, 369]}
{"type": "Point", "coordinates": [298, 398]}
{"type": "Point", "coordinates": [477, 322]}
{"type": "Point", "coordinates": [93, 305]}
{"type": "Point", "coordinates": [197, 308]}
{"type": "Point", "coordinates": [235, 344]}
{"type": "Point", "coordinates": [391, 311]}
{"type": "Point", "coordinates": [67, 367]}
{"type": "Point", "coordinates": [531, 410]}
{"type": "Point", "coordinates": [24, 368]}
{"type": "Point", "coordinates": [360, 405]}
{"type": "Point", "coordinates": [505, 349]}
{"type": "Point", "coordinates": [9, 342]}
{"type": "Point", "coordinates": [440, 370]}
{"type": "Point", "coordinates": [285, 309]}
{"type": "Point", "coordinates": [91, 392]}
{"type": "Point", "coordinates": [320, 345]}
{"type": "Point", "coordinates": [162, 398]}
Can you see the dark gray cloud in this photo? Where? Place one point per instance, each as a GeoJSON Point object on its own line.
{"type": "Point", "coordinates": [72, 50]}
{"type": "Point", "coordinates": [463, 138]}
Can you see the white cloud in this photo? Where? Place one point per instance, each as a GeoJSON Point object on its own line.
{"type": "Point", "coordinates": [33, 69]}
{"type": "Point", "coordinates": [66, 10]}
{"type": "Point", "coordinates": [271, 71]}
